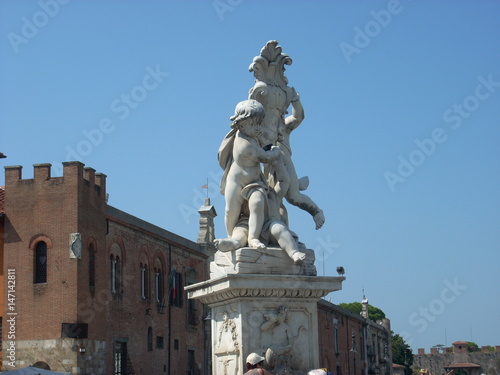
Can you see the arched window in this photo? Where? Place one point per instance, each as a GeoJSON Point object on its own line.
{"type": "Point", "coordinates": [144, 281]}
{"type": "Point", "coordinates": [91, 268]}
{"type": "Point", "coordinates": [40, 275]}
{"type": "Point", "coordinates": [158, 265]}
{"type": "Point", "coordinates": [115, 274]}
{"type": "Point", "coordinates": [158, 286]}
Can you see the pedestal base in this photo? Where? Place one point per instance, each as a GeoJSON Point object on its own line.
{"type": "Point", "coordinates": [270, 260]}
{"type": "Point", "coordinates": [272, 315]}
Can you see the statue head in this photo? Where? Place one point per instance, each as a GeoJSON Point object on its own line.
{"type": "Point", "coordinates": [247, 109]}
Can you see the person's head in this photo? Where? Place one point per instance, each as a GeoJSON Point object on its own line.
{"type": "Point", "coordinates": [316, 372]}
{"type": "Point", "coordinates": [247, 109]}
{"type": "Point", "coordinates": [254, 360]}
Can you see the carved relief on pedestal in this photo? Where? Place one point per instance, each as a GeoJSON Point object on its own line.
{"type": "Point", "coordinates": [282, 337]}
{"type": "Point", "coordinates": [227, 336]}
{"type": "Point", "coordinates": [227, 365]}
{"type": "Point", "coordinates": [226, 344]}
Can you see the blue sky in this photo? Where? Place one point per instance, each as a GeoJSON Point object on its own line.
{"type": "Point", "coordinates": [400, 140]}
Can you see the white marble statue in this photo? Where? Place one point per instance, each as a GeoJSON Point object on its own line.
{"type": "Point", "coordinates": [272, 90]}
{"type": "Point", "coordinates": [258, 169]}
{"type": "Point", "coordinates": [240, 158]}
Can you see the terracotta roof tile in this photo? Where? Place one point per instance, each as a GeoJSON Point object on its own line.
{"type": "Point", "coordinates": [462, 365]}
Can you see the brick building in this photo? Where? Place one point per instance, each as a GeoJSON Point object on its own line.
{"type": "Point", "coordinates": [353, 344]}
{"type": "Point", "coordinates": [92, 289]}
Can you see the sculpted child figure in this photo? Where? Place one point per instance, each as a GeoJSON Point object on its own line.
{"type": "Point", "coordinates": [243, 178]}
{"type": "Point", "coordinates": [272, 90]}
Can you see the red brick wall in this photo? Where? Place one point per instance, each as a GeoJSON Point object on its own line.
{"type": "Point", "coordinates": [50, 208]}
{"type": "Point", "coordinates": [42, 208]}
{"type": "Point", "coordinates": [130, 316]}
{"type": "Point", "coordinates": [343, 360]}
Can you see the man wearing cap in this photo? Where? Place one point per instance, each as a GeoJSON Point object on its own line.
{"type": "Point", "coordinates": [255, 365]}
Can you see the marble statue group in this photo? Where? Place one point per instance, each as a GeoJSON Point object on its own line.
{"type": "Point", "coordinates": [256, 157]}
{"type": "Point", "coordinates": [263, 287]}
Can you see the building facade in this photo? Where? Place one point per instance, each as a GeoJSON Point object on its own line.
{"type": "Point", "coordinates": [351, 343]}
{"type": "Point", "coordinates": [90, 289]}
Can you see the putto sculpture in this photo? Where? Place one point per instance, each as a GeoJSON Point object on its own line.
{"type": "Point", "coordinates": [272, 90]}
{"type": "Point", "coordinates": [259, 176]}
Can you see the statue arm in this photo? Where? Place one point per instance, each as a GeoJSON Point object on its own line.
{"type": "Point", "coordinates": [297, 116]}
{"type": "Point", "coordinates": [267, 156]}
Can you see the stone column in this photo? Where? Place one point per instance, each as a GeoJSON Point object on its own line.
{"type": "Point", "coordinates": [274, 316]}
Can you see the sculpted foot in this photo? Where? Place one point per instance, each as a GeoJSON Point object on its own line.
{"type": "Point", "coordinates": [319, 219]}
{"type": "Point", "coordinates": [256, 244]}
{"type": "Point", "coordinates": [227, 244]}
{"type": "Point", "coordinates": [298, 257]}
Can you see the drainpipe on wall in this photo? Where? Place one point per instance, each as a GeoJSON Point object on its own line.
{"type": "Point", "coordinates": [169, 310]}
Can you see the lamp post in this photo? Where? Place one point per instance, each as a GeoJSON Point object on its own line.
{"type": "Point", "coordinates": [353, 351]}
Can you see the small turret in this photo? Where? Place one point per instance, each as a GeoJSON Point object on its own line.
{"type": "Point", "coordinates": [206, 236]}
{"type": "Point", "coordinates": [364, 307]}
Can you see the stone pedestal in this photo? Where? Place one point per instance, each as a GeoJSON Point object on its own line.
{"type": "Point", "coordinates": [272, 315]}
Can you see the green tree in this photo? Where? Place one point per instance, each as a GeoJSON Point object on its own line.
{"type": "Point", "coordinates": [374, 313]}
{"type": "Point", "coordinates": [472, 347]}
{"type": "Point", "coordinates": [401, 352]}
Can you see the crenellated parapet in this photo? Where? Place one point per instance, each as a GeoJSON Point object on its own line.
{"type": "Point", "coordinates": [90, 185]}
{"type": "Point", "coordinates": [458, 356]}
{"type": "Point", "coordinates": [459, 347]}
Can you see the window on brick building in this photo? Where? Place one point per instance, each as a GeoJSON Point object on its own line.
{"type": "Point", "coordinates": [115, 274]}
{"type": "Point", "coordinates": [191, 362]}
{"type": "Point", "coordinates": [91, 268]}
{"type": "Point", "coordinates": [120, 358]}
{"type": "Point", "coordinates": [176, 289]}
{"type": "Point", "coordinates": [150, 339]}
{"type": "Point", "coordinates": [192, 313]}
{"type": "Point", "coordinates": [336, 335]}
{"type": "Point", "coordinates": [40, 276]}
{"type": "Point", "coordinates": [144, 281]}
{"type": "Point", "coordinates": [158, 286]}
{"type": "Point", "coordinates": [160, 342]}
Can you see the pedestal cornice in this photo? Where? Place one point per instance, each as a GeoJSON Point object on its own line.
{"type": "Point", "coordinates": [263, 286]}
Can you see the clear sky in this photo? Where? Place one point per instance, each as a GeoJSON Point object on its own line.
{"type": "Point", "coordinates": [400, 140]}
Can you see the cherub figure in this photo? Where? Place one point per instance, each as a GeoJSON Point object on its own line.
{"type": "Point", "coordinates": [272, 90]}
{"type": "Point", "coordinates": [240, 156]}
